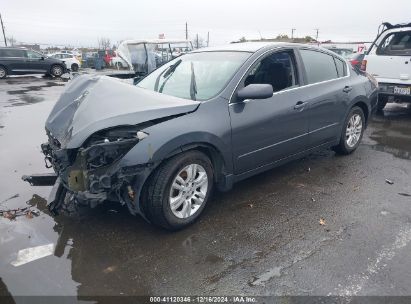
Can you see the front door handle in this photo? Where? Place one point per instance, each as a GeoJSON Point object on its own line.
{"type": "Point", "coordinates": [347, 89]}
{"type": "Point", "coordinates": [299, 105]}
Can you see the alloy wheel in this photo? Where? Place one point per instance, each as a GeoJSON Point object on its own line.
{"type": "Point", "coordinates": [353, 131]}
{"type": "Point", "coordinates": [188, 191]}
{"type": "Point", "coordinates": [57, 71]}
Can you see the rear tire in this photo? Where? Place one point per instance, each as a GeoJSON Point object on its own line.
{"type": "Point", "coordinates": [382, 101]}
{"type": "Point", "coordinates": [3, 72]}
{"type": "Point", "coordinates": [74, 67]}
{"type": "Point", "coordinates": [174, 198]}
{"type": "Point", "coordinates": [352, 132]}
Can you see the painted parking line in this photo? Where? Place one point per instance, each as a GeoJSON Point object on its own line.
{"type": "Point", "coordinates": [31, 254]}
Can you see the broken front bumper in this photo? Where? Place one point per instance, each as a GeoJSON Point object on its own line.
{"type": "Point", "coordinates": [89, 185]}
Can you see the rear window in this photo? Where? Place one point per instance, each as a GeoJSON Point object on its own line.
{"type": "Point", "coordinates": [11, 53]}
{"type": "Point", "coordinates": [396, 44]}
{"type": "Point", "coordinates": [318, 66]}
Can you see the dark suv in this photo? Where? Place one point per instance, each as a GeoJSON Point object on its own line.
{"type": "Point", "coordinates": [19, 61]}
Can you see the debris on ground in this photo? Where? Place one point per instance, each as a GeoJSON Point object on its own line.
{"type": "Point", "coordinates": [250, 205]}
{"type": "Point", "coordinates": [309, 169]}
{"type": "Point", "coordinates": [11, 214]}
{"type": "Point", "coordinates": [322, 222]}
{"type": "Point", "coordinates": [404, 194]}
{"type": "Point", "coordinates": [313, 199]}
{"type": "Point", "coordinates": [390, 182]}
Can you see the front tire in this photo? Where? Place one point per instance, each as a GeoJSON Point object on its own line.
{"type": "Point", "coordinates": [178, 191]}
{"type": "Point", "coordinates": [74, 67]}
{"type": "Point", "coordinates": [352, 132]}
{"type": "Point", "coordinates": [57, 70]}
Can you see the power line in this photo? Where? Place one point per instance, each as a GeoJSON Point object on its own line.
{"type": "Point", "coordinates": [4, 35]}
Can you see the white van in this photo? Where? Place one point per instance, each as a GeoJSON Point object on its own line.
{"type": "Point", "coordinates": [389, 61]}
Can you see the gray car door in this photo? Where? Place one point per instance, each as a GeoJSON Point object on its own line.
{"type": "Point", "coordinates": [267, 130]}
{"type": "Point", "coordinates": [326, 88]}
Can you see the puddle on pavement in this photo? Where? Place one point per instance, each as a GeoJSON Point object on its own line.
{"type": "Point", "coordinates": [392, 132]}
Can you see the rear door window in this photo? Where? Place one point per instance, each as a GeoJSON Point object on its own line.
{"type": "Point", "coordinates": [396, 44]}
{"type": "Point", "coordinates": [11, 53]}
{"type": "Point", "coordinates": [318, 66]}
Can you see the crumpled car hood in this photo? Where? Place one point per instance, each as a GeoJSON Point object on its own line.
{"type": "Point", "coordinates": [93, 103]}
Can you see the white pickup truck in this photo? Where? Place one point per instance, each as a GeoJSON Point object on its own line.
{"type": "Point", "coordinates": [389, 61]}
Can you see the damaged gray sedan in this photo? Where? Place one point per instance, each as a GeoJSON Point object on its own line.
{"type": "Point", "coordinates": [208, 118]}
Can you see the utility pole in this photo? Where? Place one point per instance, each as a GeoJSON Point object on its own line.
{"type": "Point", "coordinates": [316, 36]}
{"type": "Point", "coordinates": [208, 38]}
{"type": "Point", "coordinates": [186, 32]}
{"type": "Point", "coordinates": [4, 35]}
{"type": "Point", "coordinates": [292, 33]}
{"type": "Point", "coordinates": [197, 42]}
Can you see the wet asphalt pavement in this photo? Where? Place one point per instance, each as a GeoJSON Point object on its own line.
{"type": "Point", "coordinates": [261, 238]}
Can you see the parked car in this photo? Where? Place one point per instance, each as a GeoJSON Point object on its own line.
{"type": "Point", "coordinates": [69, 59]}
{"type": "Point", "coordinates": [356, 60]}
{"type": "Point", "coordinates": [344, 52]}
{"type": "Point", "coordinates": [141, 57]}
{"type": "Point", "coordinates": [209, 118]}
{"type": "Point", "coordinates": [118, 62]}
{"type": "Point", "coordinates": [389, 61]}
{"type": "Point", "coordinates": [20, 61]}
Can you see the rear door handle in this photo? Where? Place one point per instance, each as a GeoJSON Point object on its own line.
{"type": "Point", "coordinates": [299, 105]}
{"type": "Point", "coordinates": [347, 89]}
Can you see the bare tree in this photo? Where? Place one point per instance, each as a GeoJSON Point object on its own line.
{"type": "Point", "coordinates": [104, 43]}
{"type": "Point", "coordinates": [11, 40]}
{"type": "Point", "coordinates": [199, 42]}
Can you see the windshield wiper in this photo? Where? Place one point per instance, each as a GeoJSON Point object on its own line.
{"type": "Point", "coordinates": [193, 84]}
{"type": "Point", "coordinates": [167, 73]}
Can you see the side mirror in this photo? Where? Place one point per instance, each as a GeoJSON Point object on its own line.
{"type": "Point", "coordinates": [255, 91]}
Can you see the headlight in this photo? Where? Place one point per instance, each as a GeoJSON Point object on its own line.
{"type": "Point", "coordinates": [108, 146]}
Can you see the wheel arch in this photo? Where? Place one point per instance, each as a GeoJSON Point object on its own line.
{"type": "Point", "coordinates": [215, 156]}
{"type": "Point", "coordinates": [364, 107]}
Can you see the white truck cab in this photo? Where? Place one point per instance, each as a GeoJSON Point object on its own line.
{"type": "Point", "coordinates": [389, 61]}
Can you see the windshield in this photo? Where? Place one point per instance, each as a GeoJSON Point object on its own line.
{"type": "Point", "coordinates": [196, 76]}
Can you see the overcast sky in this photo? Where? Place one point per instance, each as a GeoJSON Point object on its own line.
{"type": "Point", "coordinates": [82, 22]}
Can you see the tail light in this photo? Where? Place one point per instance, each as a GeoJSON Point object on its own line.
{"type": "Point", "coordinates": [364, 65]}
{"type": "Point", "coordinates": [354, 62]}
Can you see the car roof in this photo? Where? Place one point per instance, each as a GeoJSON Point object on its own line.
{"type": "Point", "coordinates": [253, 47]}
